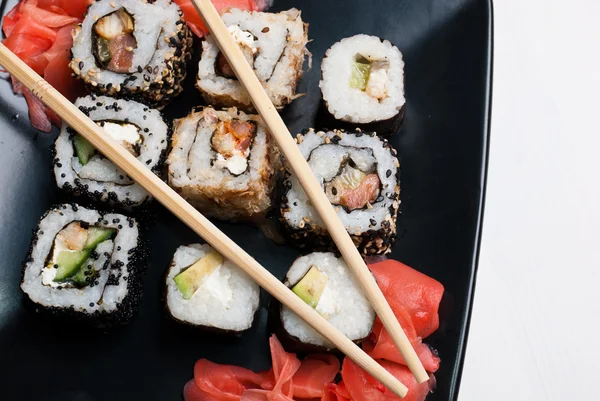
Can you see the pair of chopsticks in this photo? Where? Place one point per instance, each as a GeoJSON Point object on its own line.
{"type": "Point", "coordinates": [211, 234]}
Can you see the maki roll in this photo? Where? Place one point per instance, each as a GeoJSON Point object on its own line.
{"type": "Point", "coordinates": [224, 163]}
{"type": "Point", "coordinates": [326, 284]}
{"type": "Point", "coordinates": [275, 47]}
{"type": "Point", "coordinates": [359, 173]}
{"type": "Point", "coordinates": [203, 289]}
{"type": "Point", "coordinates": [82, 171]}
{"type": "Point", "coordinates": [362, 82]}
{"type": "Point", "coordinates": [133, 48]}
{"type": "Point", "coordinates": [85, 264]}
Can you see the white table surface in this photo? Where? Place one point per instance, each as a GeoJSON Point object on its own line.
{"type": "Point", "coordinates": [537, 302]}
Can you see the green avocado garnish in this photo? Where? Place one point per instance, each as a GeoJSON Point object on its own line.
{"type": "Point", "coordinates": [189, 280]}
{"type": "Point", "coordinates": [311, 287]}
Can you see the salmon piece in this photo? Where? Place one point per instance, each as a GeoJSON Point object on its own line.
{"type": "Point", "coordinates": [366, 192]}
{"type": "Point", "coordinates": [74, 236]}
{"type": "Point", "coordinates": [121, 58]}
{"type": "Point", "coordinates": [314, 374]}
{"type": "Point", "coordinates": [232, 135]}
{"type": "Point", "coordinates": [195, 22]}
{"type": "Point", "coordinates": [418, 293]}
{"type": "Point", "coordinates": [363, 387]}
{"type": "Point", "coordinates": [223, 67]}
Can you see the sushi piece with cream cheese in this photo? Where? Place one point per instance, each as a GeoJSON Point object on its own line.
{"type": "Point", "coordinates": [326, 284]}
{"type": "Point", "coordinates": [206, 290]}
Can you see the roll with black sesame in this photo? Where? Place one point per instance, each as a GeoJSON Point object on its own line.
{"type": "Point", "coordinates": [86, 265]}
{"type": "Point", "coordinates": [82, 171]}
{"type": "Point", "coordinates": [359, 173]}
{"type": "Point", "coordinates": [133, 48]}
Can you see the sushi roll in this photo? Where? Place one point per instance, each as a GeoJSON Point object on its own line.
{"type": "Point", "coordinates": [82, 171]}
{"type": "Point", "coordinates": [86, 265]}
{"type": "Point", "coordinates": [131, 48]}
{"type": "Point", "coordinates": [359, 173]}
{"type": "Point", "coordinates": [362, 83]}
{"type": "Point", "coordinates": [205, 290]}
{"type": "Point", "coordinates": [275, 47]}
{"type": "Point", "coordinates": [224, 163]}
{"type": "Point", "coordinates": [326, 284]}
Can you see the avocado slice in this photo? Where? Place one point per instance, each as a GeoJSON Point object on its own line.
{"type": "Point", "coordinates": [84, 149]}
{"type": "Point", "coordinates": [85, 275]}
{"type": "Point", "coordinates": [189, 280]}
{"type": "Point", "coordinates": [69, 262]}
{"type": "Point", "coordinates": [97, 235]}
{"type": "Point", "coordinates": [311, 287]}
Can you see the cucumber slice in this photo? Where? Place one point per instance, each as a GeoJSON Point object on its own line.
{"type": "Point", "coordinates": [69, 263]}
{"type": "Point", "coordinates": [361, 70]}
{"type": "Point", "coordinates": [85, 275]}
{"type": "Point", "coordinates": [84, 149]}
{"type": "Point", "coordinates": [97, 235]}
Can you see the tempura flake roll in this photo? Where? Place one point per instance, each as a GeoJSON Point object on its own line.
{"type": "Point", "coordinates": [133, 48]}
{"type": "Point", "coordinates": [224, 163]}
{"type": "Point", "coordinates": [274, 45]}
{"type": "Point", "coordinates": [326, 284]}
{"type": "Point", "coordinates": [203, 289]}
{"type": "Point", "coordinates": [86, 265]}
{"type": "Point", "coordinates": [359, 173]}
{"type": "Point", "coordinates": [363, 82]}
{"type": "Point", "coordinates": [83, 171]}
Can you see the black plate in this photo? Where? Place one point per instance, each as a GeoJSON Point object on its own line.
{"type": "Point", "coordinates": [447, 46]}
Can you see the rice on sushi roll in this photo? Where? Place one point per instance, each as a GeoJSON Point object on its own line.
{"type": "Point", "coordinates": [362, 83]}
{"type": "Point", "coordinates": [203, 289]}
{"type": "Point", "coordinates": [82, 171]}
{"type": "Point", "coordinates": [138, 49]}
{"type": "Point", "coordinates": [275, 47]}
{"type": "Point", "coordinates": [326, 283]}
{"type": "Point", "coordinates": [224, 163]}
{"type": "Point", "coordinates": [86, 265]}
{"type": "Point", "coordinates": [359, 173]}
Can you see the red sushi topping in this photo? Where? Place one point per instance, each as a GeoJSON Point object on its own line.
{"type": "Point", "coordinates": [414, 298]}
{"type": "Point", "coordinates": [39, 33]}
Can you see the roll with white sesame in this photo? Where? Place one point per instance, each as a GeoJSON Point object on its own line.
{"type": "Point", "coordinates": [81, 171]}
{"type": "Point", "coordinates": [359, 173]}
{"type": "Point", "coordinates": [133, 48]}
{"type": "Point", "coordinates": [275, 46]}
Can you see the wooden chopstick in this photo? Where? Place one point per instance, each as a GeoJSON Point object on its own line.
{"type": "Point", "coordinates": [311, 186]}
{"type": "Point", "coordinates": [190, 216]}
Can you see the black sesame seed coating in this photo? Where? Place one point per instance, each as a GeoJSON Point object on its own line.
{"type": "Point", "coordinates": [127, 307]}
